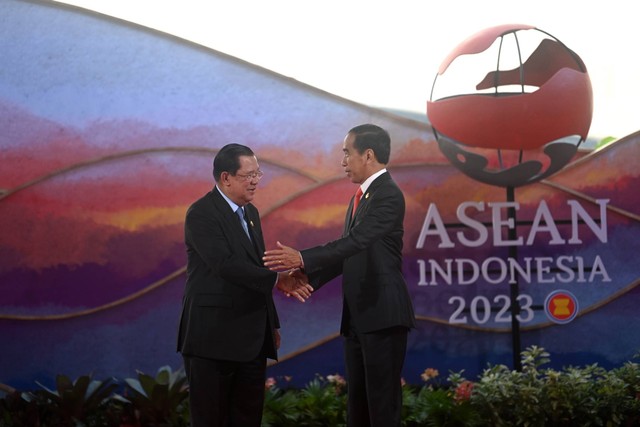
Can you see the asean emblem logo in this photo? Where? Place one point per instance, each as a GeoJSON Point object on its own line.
{"type": "Point", "coordinates": [561, 306]}
{"type": "Point", "coordinates": [510, 105]}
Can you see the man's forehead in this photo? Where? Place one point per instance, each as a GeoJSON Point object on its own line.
{"type": "Point", "coordinates": [248, 161]}
{"type": "Point", "coordinates": [348, 142]}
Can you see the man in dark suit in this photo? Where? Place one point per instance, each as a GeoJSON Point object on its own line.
{"type": "Point", "coordinates": [229, 325]}
{"type": "Point", "coordinates": [377, 310]}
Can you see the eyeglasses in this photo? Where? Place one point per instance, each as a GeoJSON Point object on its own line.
{"type": "Point", "coordinates": [251, 176]}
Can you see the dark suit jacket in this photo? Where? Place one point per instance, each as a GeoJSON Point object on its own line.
{"type": "Point", "coordinates": [228, 305]}
{"type": "Point", "coordinates": [369, 257]}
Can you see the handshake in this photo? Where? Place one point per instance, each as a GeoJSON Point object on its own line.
{"type": "Point", "coordinates": [288, 263]}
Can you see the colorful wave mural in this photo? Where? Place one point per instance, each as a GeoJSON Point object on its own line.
{"type": "Point", "coordinates": [109, 131]}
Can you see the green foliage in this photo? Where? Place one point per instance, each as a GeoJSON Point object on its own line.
{"type": "Point", "coordinates": [322, 402]}
{"type": "Point", "coordinates": [605, 141]}
{"type": "Point", "coordinates": [81, 403]}
{"type": "Point", "coordinates": [160, 401]}
{"type": "Point", "coordinates": [588, 396]}
{"type": "Point", "coordinates": [438, 408]}
{"type": "Point", "coordinates": [533, 397]}
{"type": "Point", "coordinates": [18, 411]}
{"type": "Point", "coordinates": [280, 408]}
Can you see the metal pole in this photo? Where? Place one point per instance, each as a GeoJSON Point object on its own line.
{"type": "Point", "coordinates": [514, 287]}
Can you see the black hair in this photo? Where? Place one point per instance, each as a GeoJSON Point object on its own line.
{"type": "Point", "coordinates": [228, 159]}
{"type": "Point", "coordinates": [372, 137]}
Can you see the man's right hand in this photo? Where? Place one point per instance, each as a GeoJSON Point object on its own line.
{"type": "Point", "coordinates": [282, 258]}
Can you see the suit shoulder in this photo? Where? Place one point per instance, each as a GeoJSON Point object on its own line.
{"type": "Point", "coordinates": [205, 202]}
{"type": "Point", "coordinates": [388, 185]}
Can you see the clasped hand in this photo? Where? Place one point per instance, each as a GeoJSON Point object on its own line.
{"type": "Point", "coordinates": [294, 283]}
{"type": "Point", "coordinates": [291, 280]}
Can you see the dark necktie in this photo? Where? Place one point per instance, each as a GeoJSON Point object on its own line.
{"type": "Point", "coordinates": [240, 213]}
{"type": "Point", "coordinates": [356, 201]}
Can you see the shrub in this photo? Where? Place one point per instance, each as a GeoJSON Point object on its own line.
{"type": "Point", "coordinates": [535, 396]}
{"type": "Point", "coordinates": [322, 402]}
{"type": "Point", "coordinates": [160, 401]}
{"type": "Point", "coordinates": [587, 396]}
{"type": "Point", "coordinates": [83, 402]}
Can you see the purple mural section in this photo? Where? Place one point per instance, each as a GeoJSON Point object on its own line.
{"type": "Point", "coordinates": [109, 131]}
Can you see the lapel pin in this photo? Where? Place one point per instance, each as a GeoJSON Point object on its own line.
{"type": "Point", "coordinates": [251, 222]}
{"type": "Point", "coordinates": [366, 196]}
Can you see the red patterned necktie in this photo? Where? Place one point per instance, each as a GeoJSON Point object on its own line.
{"type": "Point", "coordinates": [356, 201]}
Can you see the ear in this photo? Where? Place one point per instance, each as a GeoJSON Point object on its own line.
{"type": "Point", "coordinates": [224, 178]}
{"type": "Point", "coordinates": [370, 155]}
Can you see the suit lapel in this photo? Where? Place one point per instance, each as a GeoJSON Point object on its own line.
{"type": "Point", "coordinates": [235, 226]}
{"type": "Point", "coordinates": [348, 219]}
{"type": "Point", "coordinates": [364, 201]}
{"type": "Point", "coordinates": [253, 222]}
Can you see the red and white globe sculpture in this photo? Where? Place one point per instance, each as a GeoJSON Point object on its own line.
{"type": "Point", "coordinates": [510, 105]}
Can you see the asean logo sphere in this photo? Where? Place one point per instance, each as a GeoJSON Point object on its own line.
{"type": "Point", "coordinates": [510, 105]}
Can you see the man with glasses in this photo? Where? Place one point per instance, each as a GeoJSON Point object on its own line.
{"type": "Point", "coordinates": [229, 324]}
